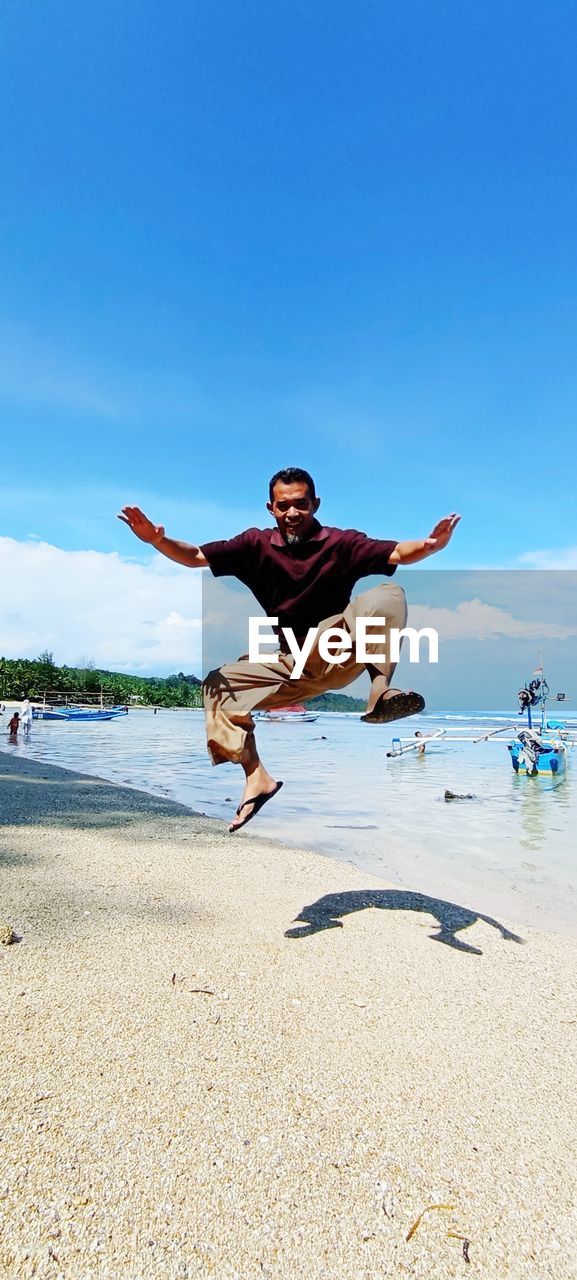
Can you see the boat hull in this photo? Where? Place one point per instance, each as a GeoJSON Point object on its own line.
{"type": "Point", "coordinates": [550, 762]}
{"type": "Point", "coordinates": [286, 718]}
{"type": "Point", "coordinates": [39, 713]}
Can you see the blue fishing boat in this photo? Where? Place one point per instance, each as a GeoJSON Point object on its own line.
{"type": "Point", "coordinates": [90, 714]}
{"type": "Point", "coordinates": [537, 749]}
{"type": "Point", "coordinates": [540, 748]}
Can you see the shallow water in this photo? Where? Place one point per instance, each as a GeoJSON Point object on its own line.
{"type": "Point", "coordinates": [510, 851]}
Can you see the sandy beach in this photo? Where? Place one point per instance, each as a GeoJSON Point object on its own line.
{"type": "Point", "coordinates": [224, 1057]}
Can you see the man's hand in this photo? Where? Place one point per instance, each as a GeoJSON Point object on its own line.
{"type": "Point", "coordinates": [414, 552]}
{"type": "Point", "coordinates": [181, 552]}
{"type": "Point", "coordinates": [443, 532]}
{"type": "Point", "coordinates": [141, 525]}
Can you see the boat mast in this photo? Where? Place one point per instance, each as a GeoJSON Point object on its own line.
{"type": "Point", "coordinates": [541, 673]}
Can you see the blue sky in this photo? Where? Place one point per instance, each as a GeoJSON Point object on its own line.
{"type": "Point", "coordinates": [242, 236]}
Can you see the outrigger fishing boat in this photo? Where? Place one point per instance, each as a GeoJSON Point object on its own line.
{"type": "Point", "coordinates": [541, 750]}
{"type": "Point", "coordinates": [537, 749]}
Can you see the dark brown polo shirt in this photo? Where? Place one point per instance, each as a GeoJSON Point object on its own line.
{"type": "Point", "coordinates": [300, 583]}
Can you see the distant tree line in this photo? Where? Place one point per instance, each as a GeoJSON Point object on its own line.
{"type": "Point", "coordinates": [32, 677]}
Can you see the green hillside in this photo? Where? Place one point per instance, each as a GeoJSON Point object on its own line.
{"type": "Point", "coordinates": [32, 677]}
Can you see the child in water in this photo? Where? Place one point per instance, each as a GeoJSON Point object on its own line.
{"type": "Point", "coordinates": [14, 725]}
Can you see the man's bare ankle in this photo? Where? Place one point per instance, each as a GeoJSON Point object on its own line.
{"type": "Point", "coordinates": [379, 685]}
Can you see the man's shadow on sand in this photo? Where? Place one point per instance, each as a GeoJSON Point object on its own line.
{"type": "Point", "coordinates": [325, 913]}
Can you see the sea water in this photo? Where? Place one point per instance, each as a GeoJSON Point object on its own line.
{"type": "Point", "coordinates": [508, 852]}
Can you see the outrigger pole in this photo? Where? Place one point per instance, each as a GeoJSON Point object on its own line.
{"type": "Point", "coordinates": [414, 746]}
{"type": "Point", "coordinates": [441, 733]}
{"type": "Point", "coordinates": [507, 728]}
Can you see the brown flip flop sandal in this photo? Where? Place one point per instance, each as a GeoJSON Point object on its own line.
{"type": "Point", "coordinates": [395, 706]}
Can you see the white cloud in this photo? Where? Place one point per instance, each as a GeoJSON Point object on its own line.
{"type": "Point", "coordinates": [475, 620]}
{"type": "Point", "coordinates": [226, 613]}
{"type": "Point", "coordinates": [146, 616]}
{"type": "Point", "coordinates": [124, 615]}
{"type": "Point", "coordinates": [563, 558]}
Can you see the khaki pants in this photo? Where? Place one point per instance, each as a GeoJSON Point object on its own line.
{"type": "Point", "coordinates": [233, 691]}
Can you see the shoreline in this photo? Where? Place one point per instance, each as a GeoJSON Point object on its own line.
{"type": "Point", "coordinates": [241, 1059]}
{"type": "Point", "coordinates": [537, 891]}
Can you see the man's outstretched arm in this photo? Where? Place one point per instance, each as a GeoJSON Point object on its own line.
{"type": "Point", "coordinates": [412, 552]}
{"type": "Point", "coordinates": [182, 552]}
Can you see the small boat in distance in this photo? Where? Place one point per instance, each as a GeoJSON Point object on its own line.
{"type": "Point", "coordinates": [297, 714]}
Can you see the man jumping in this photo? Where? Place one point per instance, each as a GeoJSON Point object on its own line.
{"type": "Point", "coordinates": [303, 574]}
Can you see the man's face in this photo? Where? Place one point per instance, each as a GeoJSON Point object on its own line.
{"type": "Point", "coordinates": [294, 510]}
